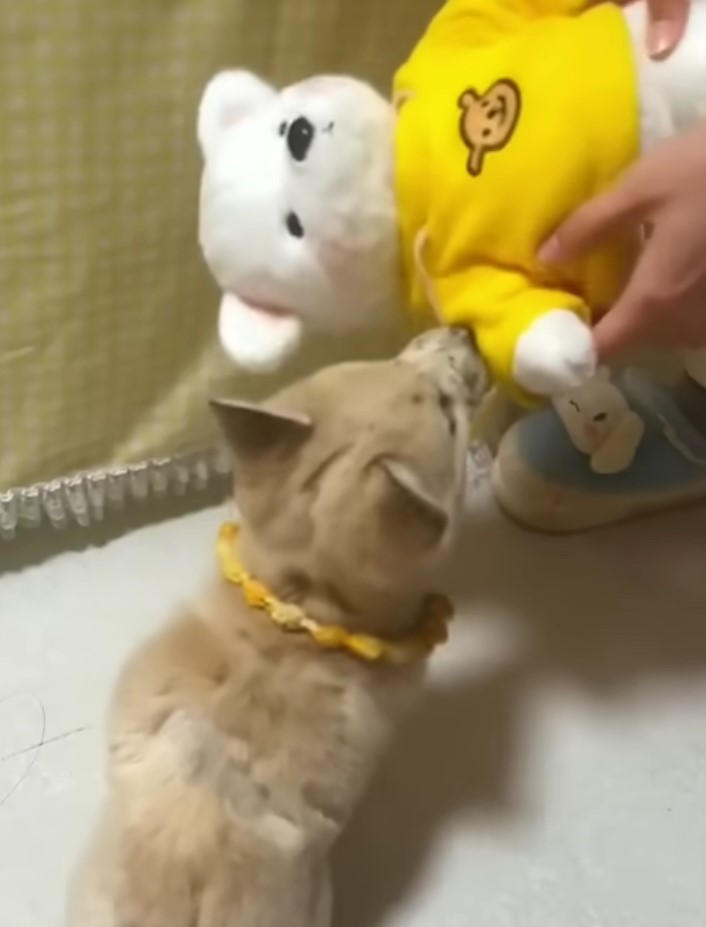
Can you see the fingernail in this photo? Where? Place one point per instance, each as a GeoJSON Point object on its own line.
{"type": "Point", "coordinates": [549, 251]}
{"type": "Point", "coordinates": [661, 37]}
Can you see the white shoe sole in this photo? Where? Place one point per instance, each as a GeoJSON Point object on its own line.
{"type": "Point", "coordinates": [540, 505]}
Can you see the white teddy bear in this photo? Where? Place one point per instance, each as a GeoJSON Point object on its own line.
{"type": "Point", "coordinates": [298, 221]}
{"type": "Point", "coordinates": [326, 207]}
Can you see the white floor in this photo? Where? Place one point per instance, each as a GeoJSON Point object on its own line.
{"type": "Point", "coordinates": [554, 776]}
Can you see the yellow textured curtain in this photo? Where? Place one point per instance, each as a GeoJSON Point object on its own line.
{"type": "Point", "coordinates": [107, 317]}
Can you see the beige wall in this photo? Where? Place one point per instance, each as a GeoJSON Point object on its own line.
{"type": "Point", "coordinates": [107, 317]}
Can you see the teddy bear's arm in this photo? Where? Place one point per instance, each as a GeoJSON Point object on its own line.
{"type": "Point", "coordinates": [536, 341]}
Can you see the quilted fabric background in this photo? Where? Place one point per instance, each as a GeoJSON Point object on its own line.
{"type": "Point", "coordinates": [107, 317]}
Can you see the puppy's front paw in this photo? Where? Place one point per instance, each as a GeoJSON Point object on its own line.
{"type": "Point", "coordinates": [555, 354]}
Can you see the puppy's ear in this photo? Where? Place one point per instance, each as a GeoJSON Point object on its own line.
{"type": "Point", "coordinates": [409, 505]}
{"type": "Point", "coordinates": [254, 432]}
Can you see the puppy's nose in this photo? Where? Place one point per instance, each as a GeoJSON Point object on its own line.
{"type": "Point", "coordinates": [461, 335]}
{"type": "Point", "coordinates": [440, 340]}
{"type": "Point", "coordinates": [455, 338]}
{"type": "Point", "coordinates": [300, 135]}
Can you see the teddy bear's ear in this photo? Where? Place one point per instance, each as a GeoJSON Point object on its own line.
{"type": "Point", "coordinates": [228, 97]}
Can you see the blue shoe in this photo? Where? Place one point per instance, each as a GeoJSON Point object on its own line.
{"type": "Point", "coordinates": [607, 452]}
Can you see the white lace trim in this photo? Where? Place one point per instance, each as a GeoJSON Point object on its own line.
{"type": "Point", "coordinates": [88, 497]}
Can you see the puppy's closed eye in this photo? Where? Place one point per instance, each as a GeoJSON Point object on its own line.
{"type": "Point", "coordinates": [314, 476]}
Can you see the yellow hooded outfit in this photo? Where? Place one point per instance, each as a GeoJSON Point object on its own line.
{"type": "Point", "coordinates": [512, 113]}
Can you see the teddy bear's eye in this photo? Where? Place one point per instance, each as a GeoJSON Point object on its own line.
{"type": "Point", "coordinates": [300, 135]}
{"type": "Point", "coordinates": [294, 226]}
{"type": "Point", "coordinates": [600, 417]}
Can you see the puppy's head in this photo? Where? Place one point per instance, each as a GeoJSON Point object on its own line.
{"type": "Point", "coordinates": [350, 483]}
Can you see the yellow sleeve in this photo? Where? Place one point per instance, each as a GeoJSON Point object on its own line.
{"type": "Point", "coordinates": [498, 306]}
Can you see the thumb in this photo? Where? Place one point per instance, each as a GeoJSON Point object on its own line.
{"type": "Point", "coordinates": [596, 219]}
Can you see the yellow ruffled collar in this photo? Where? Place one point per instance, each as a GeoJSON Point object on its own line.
{"type": "Point", "coordinates": [433, 629]}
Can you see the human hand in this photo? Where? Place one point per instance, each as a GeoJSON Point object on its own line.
{"type": "Point", "coordinates": [664, 301]}
{"type": "Point", "coordinates": [667, 21]}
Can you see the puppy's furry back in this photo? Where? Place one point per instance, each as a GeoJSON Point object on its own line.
{"type": "Point", "coordinates": [236, 755]}
{"type": "Point", "coordinates": [237, 751]}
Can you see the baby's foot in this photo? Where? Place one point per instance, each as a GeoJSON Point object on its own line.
{"type": "Point", "coordinates": [555, 354]}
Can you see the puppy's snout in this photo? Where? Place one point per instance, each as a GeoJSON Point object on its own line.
{"type": "Point", "coordinates": [451, 354]}
{"type": "Point", "coordinates": [461, 338]}
{"type": "Point", "coordinates": [300, 135]}
{"type": "Point", "coordinates": [441, 340]}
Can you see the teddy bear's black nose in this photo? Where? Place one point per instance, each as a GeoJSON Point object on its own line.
{"type": "Point", "coordinates": [300, 135]}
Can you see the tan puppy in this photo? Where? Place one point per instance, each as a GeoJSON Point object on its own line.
{"type": "Point", "coordinates": [237, 751]}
